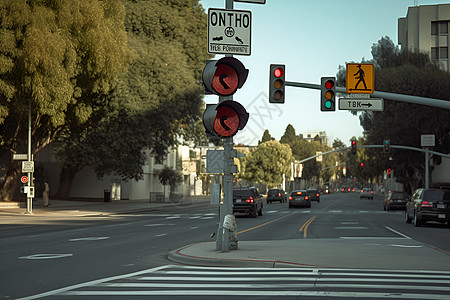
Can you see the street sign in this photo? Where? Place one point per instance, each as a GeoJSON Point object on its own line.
{"type": "Point", "coordinates": [27, 166]}
{"type": "Point", "coordinates": [214, 161]}
{"type": "Point", "coordinates": [229, 31]}
{"type": "Point", "coordinates": [360, 78]}
{"type": "Point", "coordinates": [427, 140]}
{"type": "Point", "coordinates": [366, 104]}
{"type": "Point", "coordinates": [24, 179]}
{"type": "Point", "coordinates": [20, 156]}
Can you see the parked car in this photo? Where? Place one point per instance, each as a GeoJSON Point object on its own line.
{"type": "Point", "coordinates": [299, 198]}
{"type": "Point", "coordinates": [395, 200]}
{"type": "Point", "coordinates": [276, 195]}
{"type": "Point", "coordinates": [314, 194]}
{"type": "Point", "coordinates": [247, 200]}
{"type": "Point", "coordinates": [366, 193]}
{"type": "Point", "coordinates": [428, 205]}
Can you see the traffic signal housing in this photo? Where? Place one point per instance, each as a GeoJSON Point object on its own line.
{"type": "Point", "coordinates": [386, 145]}
{"type": "Point", "coordinates": [276, 83]}
{"type": "Point", "coordinates": [224, 77]}
{"type": "Point", "coordinates": [354, 146]}
{"type": "Point", "coordinates": [389, 172]}
{"type": "Point", "coordinates": [225, 119]}
{"type": "Point", "coordinates": [328, 94]}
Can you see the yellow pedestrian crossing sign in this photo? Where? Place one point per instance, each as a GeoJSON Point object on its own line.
{"type": "Point", "coordinates": [360, 78]}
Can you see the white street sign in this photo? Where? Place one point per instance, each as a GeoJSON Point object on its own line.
{"type": "Point", "coordinates": [229, 31]}
{"type": "Point", "coordinates": [427, 140]}
{"type": "Point", "coordinates": [20, 156]}
{"type": "Point", "coordinates": [27, 166]}
{"type": "Point", "coordinates": [372, 104]}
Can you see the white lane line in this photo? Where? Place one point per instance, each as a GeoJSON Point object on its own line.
{"type": "Point", "coordinates": [271, 211]}
{"type": "Point", "coordinates": [349, 223]}
{"type": "Point", "coordinates": [206, 218]}
{"type": "Point", "coordinates": [160, 235]}
{"type": "Point", "coordinates": [195, 227]}
{"type": "Point", "coordinates": [335, 211]}
{"type": "Point", "coordinates": [399, 233]}
{"type": "Point", "coordinates": [45, 256]}
{"type": "Point", "coordinates": [154, 225]}
{"type": "Point", "coordinates": [92, 238]}
{"type": "Point", "coordinates": [173, 217]}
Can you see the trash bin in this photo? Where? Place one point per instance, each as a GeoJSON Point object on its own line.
{"type": "Point", "coordinates": [107, 196]}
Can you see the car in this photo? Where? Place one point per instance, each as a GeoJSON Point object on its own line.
{"type": "Point", "coordinates": [395, 200]}
{"type": "Point", "coordinates": [299, 198]}
{"type": "Point", "coordinates": [428, 205]}
{"type": "Point", "coordinates": [366, 193]}
{"type": "Point", "coordinates": [247, 200]}
{"type": "Point", "coordinates": [314, 194]}
{"type": "Point", "coordinates": [276, 195]}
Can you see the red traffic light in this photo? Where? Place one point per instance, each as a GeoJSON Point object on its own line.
{"type": "Point", "coordinates": [278, 72]}
{"type": "Point", "coordinates": [329, 84]}
{"type": "Point", "coordinates": [362, 165]}
{"type": "Point", "coordinates": [225, 119]}
{"type": "Point", "coordinates": [224, 76]}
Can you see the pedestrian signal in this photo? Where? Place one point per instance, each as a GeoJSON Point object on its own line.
{"type": "Point", "coordinates": [276, 83]}
{"type": "Point", "coordinates": [328, 94]}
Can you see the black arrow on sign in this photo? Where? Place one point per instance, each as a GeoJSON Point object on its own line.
{"type": "Point", "coordinates": [223, 83]}
{"type": "Point", "coordinates": [366, 104]}
{"type": "Point", "coordinates": [222, 122]}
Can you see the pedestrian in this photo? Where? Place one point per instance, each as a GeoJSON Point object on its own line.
{"type": "Point", "coordinates": [45, 193]}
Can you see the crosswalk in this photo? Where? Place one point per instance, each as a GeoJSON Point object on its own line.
{"type": "Point", "coordinates": [231, 283]}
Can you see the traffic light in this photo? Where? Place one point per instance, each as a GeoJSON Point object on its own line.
{"type": "Point", "coordinates": [224, 76]}
{"type": "Point", "coordinates": [225, 119]}
{"type": "Point", "coordinates": [389, 172]}
{"type": "Point", "coordinates": [276, 83]}
{"type": "Point", "coordinates": [386, 145]}
{"type": "Point", "coordinates": [328, 94]}
{"type": "Point", "coordinates": [362, 165]}
{"type": "Point", "coordinates": [354, 146]}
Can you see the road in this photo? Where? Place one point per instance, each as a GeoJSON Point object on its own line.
{"type": "Point", "coordinates": [36, 258]}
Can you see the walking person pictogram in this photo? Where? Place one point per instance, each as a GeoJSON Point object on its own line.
{"type": "Point", "coordinates": [360, 76]}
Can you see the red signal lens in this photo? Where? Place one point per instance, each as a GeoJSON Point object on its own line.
{"type": "Point", "coordinates": [278, 72]}
{"type": "Point", "coordinates": [329, 84]}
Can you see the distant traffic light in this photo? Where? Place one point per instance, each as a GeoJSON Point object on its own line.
{"type": "Point", "coordinates": [328, 94]}
{"type": "Point", "coordinates": [389, 172]}
{"type": "Point", "coordinates": [386, 145]}
{"type": "Point", "coordinates": [354, 146]}
{"type": "Point", "coordinates": [276, 83]}
{"type": "Point", "coordinates": [362, 165]}
{"type": "Point", "coordinates": [225, 119]}
{"type": "Point", "coordinates": [224, 76]}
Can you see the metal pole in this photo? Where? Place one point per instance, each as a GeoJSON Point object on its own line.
{"type": "Point", "coordinates": [427, 183]}
{"type": "Point", "coordinates": [29, 199]}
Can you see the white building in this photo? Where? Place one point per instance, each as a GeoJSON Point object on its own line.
{"type": "Point", "coordinates": [425, 28]}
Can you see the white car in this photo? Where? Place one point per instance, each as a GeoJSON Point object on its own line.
{"type": "Point", "coordinates": [366, 193]}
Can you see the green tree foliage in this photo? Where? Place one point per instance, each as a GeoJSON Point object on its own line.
{"type": "Point", "coordinates": [409, 73]}
{"type": "Point", "coordinates": [289, 135]}
{"type": "Point", "coordinates": [268, 163]}
{"type": "Point", "coordinates": [266, 137]}
{"type": "Point", "coordinates": [156, 102]}
{"type": "Point", "coordinates": [58, 56]}
{"type": "Point", "coordinates": [170, 177]}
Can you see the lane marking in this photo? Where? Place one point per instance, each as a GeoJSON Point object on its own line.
{"type": "Point", "coordinates": [349, 223]}
{"type": "Point", "coordinates": [154, 225]}
{"type": "Point", "coordinates": [277, 219]}
{"type": "Point", "coordinates": [350, 227]}
{"type": "Point", "coordinates": [160, 235]}
{"type": "Point", "coordinates": [399, 233]}
{"type": "Point", "coordinates": [93, 238]}
{"type": "Point", "coordinates": [305, 226]}
{"type": "Point", "coordinates": [45, 256]}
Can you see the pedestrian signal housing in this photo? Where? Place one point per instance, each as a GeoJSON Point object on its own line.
{"type": "Point", "coordinates": [225, 119]}
{"type": "Point", "coordinates": [224, 76]}
{"type": "Point", "coordinates": [354, 146]}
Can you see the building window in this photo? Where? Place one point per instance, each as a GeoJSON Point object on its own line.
{"type": "Point", "coordinates": [434, 28]}
{"type": "Point", "coordinates": [434, 53]}
{"type": "Point", "coordinates": [443, 53]}
{"type": "Point", "coordinates": [443, 27]}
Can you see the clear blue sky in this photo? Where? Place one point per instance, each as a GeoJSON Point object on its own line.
{"type": "Point", "coordinates": [312, 38]}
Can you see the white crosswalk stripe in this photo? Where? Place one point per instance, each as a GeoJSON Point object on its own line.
{"type": "Point", "coordinates": [222, 282]}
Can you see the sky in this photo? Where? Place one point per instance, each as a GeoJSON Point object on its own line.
{"type": "Point", "coordinates": [312, 38]}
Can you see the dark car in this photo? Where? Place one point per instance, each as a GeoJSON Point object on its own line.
{"type": "Point", "coordinates": [299, 198]}
{"type": "Point", "coordinates": [314, 194]}
{"type": "Point", "coordinates": [395, 200]}
{"type": "Point", "coordinates": [247, 200]}
{"type": "Point", "coordinates": [428, 205]}
{"type": "Point", "coordinates": [276, 195]}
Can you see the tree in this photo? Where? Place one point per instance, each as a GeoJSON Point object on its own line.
{"type": "Point", "coordinates": [289, 135]}
{"type": "Point", "coordinates": [170, 177]}
{"type": "Point", "coordinates": [268, 163]}
{"type": "Point", "coordinates": [155, 103]}
{"type": "Point", "coordinates": [58, 57]}
{"type": "Point", "coordinates": [266, 137]}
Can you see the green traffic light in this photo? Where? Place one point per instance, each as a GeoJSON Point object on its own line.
{"type": "Point", "coordinates": [328, 104]}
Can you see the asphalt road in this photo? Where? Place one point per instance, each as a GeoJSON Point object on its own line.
{"type": "Point", "coordinates": [36, 258]}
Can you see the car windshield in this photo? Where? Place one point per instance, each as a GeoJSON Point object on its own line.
{"type": "Point", "coordinates": [241, 193]}
{"type": "Point", "coordinates": [436, 195]}
{"type": "Point", "coordinates": [397, 196]}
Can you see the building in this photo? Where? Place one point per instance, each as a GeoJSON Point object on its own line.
{"type": "Point", "coordinates": [426, 28]}
{"type": "Point", "coordinates": [320, 136]}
